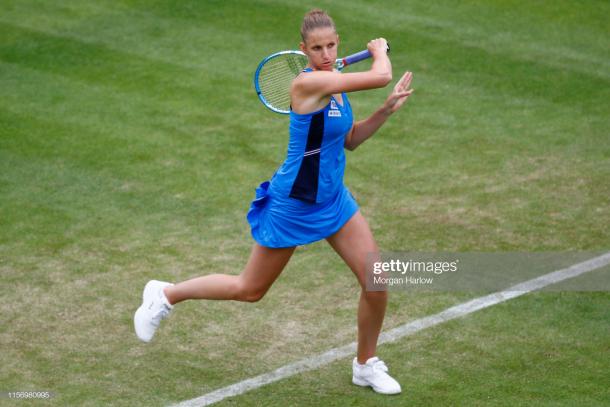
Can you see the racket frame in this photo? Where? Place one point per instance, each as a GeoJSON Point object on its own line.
{"type": "Point", "coordinates": [257, 73]}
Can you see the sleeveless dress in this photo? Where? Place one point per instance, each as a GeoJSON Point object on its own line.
{"type": "Point", "coordinates": [305, 200]}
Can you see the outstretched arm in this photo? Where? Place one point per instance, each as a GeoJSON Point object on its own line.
{"type": "Point", "coordinates": [364, 129]}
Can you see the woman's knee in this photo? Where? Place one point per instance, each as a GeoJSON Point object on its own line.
{"type": "Point", "coordinates": [375, 296]}
{"type": "Point", "coordinates": [248, 292]}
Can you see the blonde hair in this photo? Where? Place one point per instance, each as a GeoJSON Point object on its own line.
{"type": "Point", "coordinates": [316, 18]}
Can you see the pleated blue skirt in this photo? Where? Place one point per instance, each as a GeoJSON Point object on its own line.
{"type": "Point", "coordinates": [287, 222]}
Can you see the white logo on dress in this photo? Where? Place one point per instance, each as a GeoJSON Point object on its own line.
{"type": "Point", "coordinates": [334, 110]}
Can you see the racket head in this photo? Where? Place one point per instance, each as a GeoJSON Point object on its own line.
{"type": "Point", "coordinates": [274, 76]}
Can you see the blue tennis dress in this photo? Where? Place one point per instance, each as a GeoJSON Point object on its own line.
{"type": "Point", "coordinates": [306, 200]}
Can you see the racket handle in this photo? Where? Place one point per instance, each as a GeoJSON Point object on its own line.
{"type": "Point", "coordinates": [359, 56]}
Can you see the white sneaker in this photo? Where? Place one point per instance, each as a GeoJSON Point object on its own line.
{"type": "Point", "coordinates": [154, 308]}
{"type": "Point", "coordinates": [374, 373]}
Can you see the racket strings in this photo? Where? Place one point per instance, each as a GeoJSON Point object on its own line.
{"type": "Point", "coordinates": [275, 80]}
{"type": "Point", "coordinates": [276, 77]}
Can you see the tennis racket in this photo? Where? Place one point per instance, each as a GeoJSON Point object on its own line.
{"type": "Point", "coordinates": [275, 73]}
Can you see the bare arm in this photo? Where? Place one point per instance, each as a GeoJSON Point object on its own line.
{"type": "Point", "coordinates": [364, 129]}
{"type": "Point", "coordinates": [323, 83]}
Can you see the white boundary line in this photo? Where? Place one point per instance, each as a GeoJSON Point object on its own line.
{"type": "Point", "coordinates": [395, 334]}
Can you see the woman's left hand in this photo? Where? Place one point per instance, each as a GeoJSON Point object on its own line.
{"type": "Point", "coordinates": [400, 94]}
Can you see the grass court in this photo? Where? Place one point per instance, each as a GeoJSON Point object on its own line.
{"type": "Point", "coordinates": [131, 141]}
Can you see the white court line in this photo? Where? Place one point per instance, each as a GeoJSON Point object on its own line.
{"type": "Point", "coordinates": [395, 334]}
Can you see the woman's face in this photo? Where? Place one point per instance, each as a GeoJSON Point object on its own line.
{"type": "Point", "coordinates": [321, 48]}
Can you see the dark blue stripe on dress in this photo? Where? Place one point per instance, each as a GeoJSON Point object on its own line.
{"type": "Point", "coordinates": [305, 185]}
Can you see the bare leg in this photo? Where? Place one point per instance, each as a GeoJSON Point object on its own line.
{"type": "Point", "coordinates": [263, 268]}
{"type": "Point", "coordinates": [353, 242]}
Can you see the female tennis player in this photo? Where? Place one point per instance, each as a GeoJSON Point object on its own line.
{"type": "Point", "coordinates": [305, 200]}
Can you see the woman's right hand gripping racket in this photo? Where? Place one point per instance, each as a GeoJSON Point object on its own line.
{"type": "Point", "coordinates": [275, 73]}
